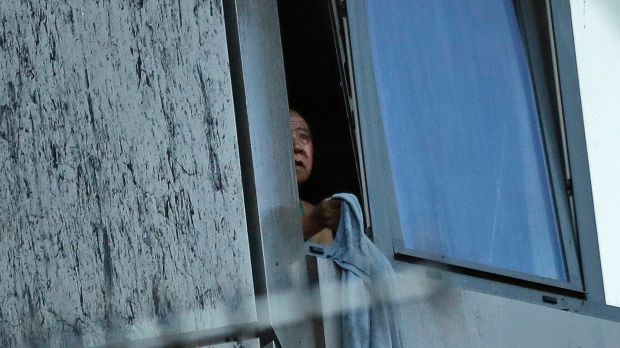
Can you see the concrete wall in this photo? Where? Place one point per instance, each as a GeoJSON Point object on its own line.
{"type": "Point", "coordinates": [437, 314]}
{"type": "Point", "coordinates": [452, 317]}
{"type": "Point", "coordinates": [596, 27]}
{"type": "Point", "coordinates": [121, 206]}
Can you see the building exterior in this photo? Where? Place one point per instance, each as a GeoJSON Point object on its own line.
{"type": "Point", "coordinates": [149, 196]}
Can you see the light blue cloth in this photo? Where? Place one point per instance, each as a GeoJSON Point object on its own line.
{"type": "Point", "coordinates": [367, 277]}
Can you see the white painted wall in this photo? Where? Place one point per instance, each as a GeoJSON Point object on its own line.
{"type": "Point", "coordinates": [596, 26]}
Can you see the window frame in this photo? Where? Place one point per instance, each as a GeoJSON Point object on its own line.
{"type": "Point", "coordinates": [575, 212]}
{"type": "Point", "coordinates": [268, 175]}
{"type": "Point", "coordinates": [553, 162]}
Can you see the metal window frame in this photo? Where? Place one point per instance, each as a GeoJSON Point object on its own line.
{"type": "Point", "coordinates": [568, 93]}
{"type": "Point", "coordinates": [269, 184]}
{"type": "Point", "coordinates": [580, 243]}
{"type": "Point", "coordinates": [556, 154]}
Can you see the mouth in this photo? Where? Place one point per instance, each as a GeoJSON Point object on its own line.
{"type": "Point", "coordinates": [299, 164]}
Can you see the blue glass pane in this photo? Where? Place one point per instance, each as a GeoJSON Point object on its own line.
{"type": "Point", "coordinates": [463, 133]}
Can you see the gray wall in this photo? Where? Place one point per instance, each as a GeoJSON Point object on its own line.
{"type": "Point", "coordinates": [453, 317]}
{"type": "Point", "coordinates": [435, 313]}
{"type": "Point", "coordinates": [122, 211]}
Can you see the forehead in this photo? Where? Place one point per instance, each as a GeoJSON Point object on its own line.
{"type": "Point", "coordinates": [298, 123]}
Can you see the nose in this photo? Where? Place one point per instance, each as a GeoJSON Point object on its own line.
{"type": "Point", "coordinates": [296, 143]}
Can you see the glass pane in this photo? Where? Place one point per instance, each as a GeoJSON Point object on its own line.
{"type": "Point", "coordinates": [463, 133]}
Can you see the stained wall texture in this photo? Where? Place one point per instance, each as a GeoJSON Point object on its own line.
{"type": "Point", "coordinates": [121, 206]}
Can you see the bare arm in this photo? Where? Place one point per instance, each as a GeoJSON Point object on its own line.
{"type": "Point", "coordinates": [325, 214]}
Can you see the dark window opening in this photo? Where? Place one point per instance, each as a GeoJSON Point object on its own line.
{"type": "Point", "coordinates": [315, 90]}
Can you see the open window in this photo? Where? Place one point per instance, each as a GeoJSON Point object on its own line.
{"type": "Point", "coordinates": [463, 136]}
{"type": "Point", "coordinates": [318, 89]}
{"type": "Point", "coordinates": [447, 121]}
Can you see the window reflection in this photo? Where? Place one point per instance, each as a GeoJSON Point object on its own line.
{"type": "Point", "coordinates": [463, 133]}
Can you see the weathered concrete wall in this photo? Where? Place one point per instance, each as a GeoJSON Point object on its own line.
{"type": "Point", "coordinates": [121, 207]}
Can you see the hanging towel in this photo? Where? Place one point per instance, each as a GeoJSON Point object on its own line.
{"type": "Point", "coordinates": [367, 278]}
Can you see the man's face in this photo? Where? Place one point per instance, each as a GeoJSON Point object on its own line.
{"type": "Point", "coordinates": [302, 147]}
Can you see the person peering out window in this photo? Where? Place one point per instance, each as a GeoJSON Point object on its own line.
{"type": "Point", "coordinates": [319, 221]}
